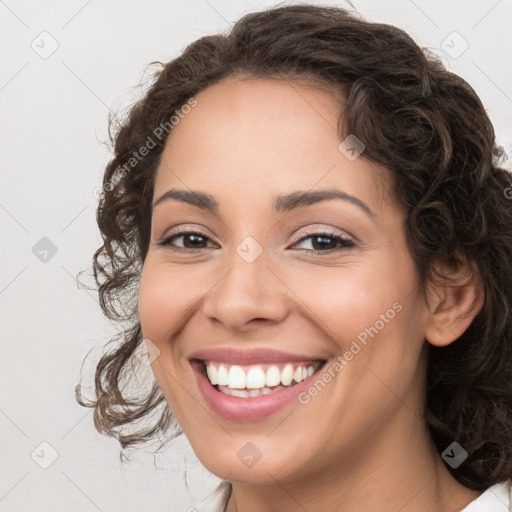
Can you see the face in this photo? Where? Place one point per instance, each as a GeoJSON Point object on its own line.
{"type": "Point", "coordinates": [270, 284]}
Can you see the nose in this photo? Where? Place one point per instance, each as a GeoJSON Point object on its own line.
{"type": "Point", "coordinates": [249, 296]}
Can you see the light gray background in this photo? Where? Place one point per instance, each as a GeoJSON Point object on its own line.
{"type": "Point", "coordinates": [54, 113]}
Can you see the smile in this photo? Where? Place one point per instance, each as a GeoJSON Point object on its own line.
{"type": "Point", "coordinates": [244, 386]}
{"type": "Point", "coordinates": [255, 380]}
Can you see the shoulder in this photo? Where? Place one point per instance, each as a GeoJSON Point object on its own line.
{"type": "Point", "coordinates": [216, 501]}
{"type": "Point", "coordinates": [497, 498]}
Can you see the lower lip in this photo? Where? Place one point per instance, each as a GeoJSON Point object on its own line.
{"type": "Point", "coordinates": [234, 408]}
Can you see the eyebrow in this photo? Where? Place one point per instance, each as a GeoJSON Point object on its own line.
{"type": "Point", "coordinates": [282, 203]}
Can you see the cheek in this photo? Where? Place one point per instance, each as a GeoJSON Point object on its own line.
{"type": "Point", "coordinates": [343, 301]}
{"type": "Point", "coordinates": [373, 309]}
{"type": "Point", "coordinates": [162, 295]}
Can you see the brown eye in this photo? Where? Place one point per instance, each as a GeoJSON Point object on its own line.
{"type": "Point", "coordinates": [326, 242]}
{"type": "Point", "coordinates": [191, 240]}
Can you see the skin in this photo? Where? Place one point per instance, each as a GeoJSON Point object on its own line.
{"type": "Point", "coordinates": [361, 444]}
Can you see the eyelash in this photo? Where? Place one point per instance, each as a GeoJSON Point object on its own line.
{"type": "Point", "coordinates": [344, 242]}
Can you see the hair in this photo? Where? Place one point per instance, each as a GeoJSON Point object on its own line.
{"type": "Point", "coordinates": [422, 122]}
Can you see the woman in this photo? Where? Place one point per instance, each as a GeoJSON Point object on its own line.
{"type": "Point", "coordinates": [306, 224]}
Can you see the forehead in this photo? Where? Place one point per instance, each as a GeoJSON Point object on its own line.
{"type": "Point", "coordinates": [264, 137]}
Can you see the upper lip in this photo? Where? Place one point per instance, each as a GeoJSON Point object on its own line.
{"type": "Point", "coordinates": [249, 356]}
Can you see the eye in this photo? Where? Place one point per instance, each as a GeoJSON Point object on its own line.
{"type": "Point", "coordinates": [326, 242]}
{"type": "Point", "coordinates": [192, 240]}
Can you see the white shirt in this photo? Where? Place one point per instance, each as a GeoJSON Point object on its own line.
{"type": "Point", "coordinates": [497, 498]}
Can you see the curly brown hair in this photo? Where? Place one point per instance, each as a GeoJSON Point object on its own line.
{"type": "Point", "coordinates": [424, 123]}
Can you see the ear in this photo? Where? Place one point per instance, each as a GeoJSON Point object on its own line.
{"type": "Point", "coordinates": [453, 302]}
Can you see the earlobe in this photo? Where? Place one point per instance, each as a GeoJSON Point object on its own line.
{"type": "Point", "coordinates": [453, 306]}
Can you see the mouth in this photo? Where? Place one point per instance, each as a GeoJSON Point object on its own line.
{"type": "Point", "coordinates": [249, 386]}
{"type": "Point", "coordinates": [249, 381]}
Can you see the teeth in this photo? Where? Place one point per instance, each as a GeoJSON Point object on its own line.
{"type": "Point", "coordinates": [222, 376]}
{"type": "Point", "coordinates": [273, 377]}
{"type": "Point", "coordinates": [242, 393]}
{"type": "Point", "coordinates": [246, 393]}
{"type": "Point", "coordinates": [236, 377]}
{"type": "Point", "coordinates": [287, 375]}
{"type": "Point", "coordinates": [255, 378]}
{"type": "Point", "coordinates": [212, 374]}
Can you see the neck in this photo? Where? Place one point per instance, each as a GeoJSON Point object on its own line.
{"type": "Point", "coordinates": [402, 471]}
